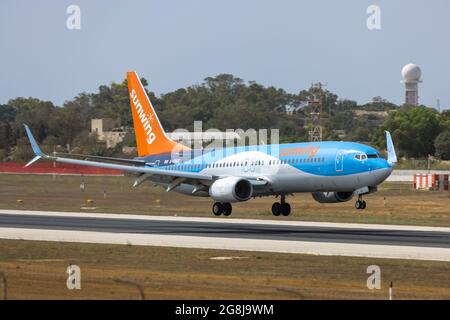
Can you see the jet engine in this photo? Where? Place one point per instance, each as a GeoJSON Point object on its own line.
{"type": "Point", "coordinates": [332, 197]}
{"type": "Point", "coordinates": [231, 189]}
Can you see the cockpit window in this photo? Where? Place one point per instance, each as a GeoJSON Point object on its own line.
{"type": "Point", "coordinates": [361, 156]}
{"type": "Point", "coordinates": [373, 155]}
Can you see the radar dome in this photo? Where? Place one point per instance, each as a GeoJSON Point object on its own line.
{"type": "Point", "coordinates": [411, 72]}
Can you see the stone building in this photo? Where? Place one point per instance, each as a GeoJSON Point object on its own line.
{"type": "Point", "coordinates": [110, 131]}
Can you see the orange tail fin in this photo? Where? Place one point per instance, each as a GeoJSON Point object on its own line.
{"type": "Point", "coordinates": [150, 136]}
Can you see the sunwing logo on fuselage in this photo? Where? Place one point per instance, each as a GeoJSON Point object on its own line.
{"type": "Point", "coordinates": [145, 119]}
{"type": "Point", "coordinates": [309, 150]}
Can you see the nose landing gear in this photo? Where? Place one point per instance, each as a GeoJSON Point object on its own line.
{"type": "Point", "coordinates": [360, 204]}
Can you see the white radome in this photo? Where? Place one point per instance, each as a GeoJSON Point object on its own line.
{"type": "Point", "coordinates": [411, 72]}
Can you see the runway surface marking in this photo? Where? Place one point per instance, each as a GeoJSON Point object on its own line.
{"type": "Point", "coordinates": [227, 220]}
{"type": "Point", "coordinates": [261, 245]}
{"type": "Point", "coordinates": [400, 242]}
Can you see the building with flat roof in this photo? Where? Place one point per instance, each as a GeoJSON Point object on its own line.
{"type": "Point", "coordinates": [110, 131]}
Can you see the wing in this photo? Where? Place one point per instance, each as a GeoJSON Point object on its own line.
{"type": "Point", "coordinates": [126, 168]}
{"type": "Point", "coordinates": [136, 162]}
{"type": "Point", "coordinates": [171, 178]}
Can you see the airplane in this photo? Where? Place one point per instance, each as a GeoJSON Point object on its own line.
{"type": "Point", "coordinates": [332, 171]}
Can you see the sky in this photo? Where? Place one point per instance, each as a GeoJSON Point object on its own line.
{"type": "Point", "coordinates": [177, 43]}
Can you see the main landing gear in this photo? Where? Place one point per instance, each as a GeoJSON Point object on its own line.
{"type": "Point", "coordinates": [220, 208]}
{"type": "Point", "coordinates": [281, 207]}
{"type": "Point", "coordinates": [360, 204]}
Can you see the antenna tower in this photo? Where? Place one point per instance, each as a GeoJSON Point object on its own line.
{"type": "Point", "coordinates": [315, 107]}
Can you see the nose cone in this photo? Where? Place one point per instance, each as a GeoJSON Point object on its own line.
{"type": "Point", "coordinates": [383, 171]}
{"type": "Point", "coordinates": [382, 174]}
{"type": "Point", "coordinates": [387, 171]}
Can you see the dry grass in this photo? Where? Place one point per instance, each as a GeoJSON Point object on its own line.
{"type": "Point", "coordinates": [393, 204]}
{"type": "Point", "coordinates": [36, 270]}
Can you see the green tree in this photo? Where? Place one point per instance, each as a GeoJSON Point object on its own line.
{"type": "Point", "coordinates": [442, 145]}
{"type": "Point", "coordinates": [413, 130]}
{"type": "Point", "coordinates": [65, 124]}
{"type": "Point", "coordinates": [35, 113]}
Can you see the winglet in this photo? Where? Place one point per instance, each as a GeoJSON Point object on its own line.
{"type": "Point", "coordinates": [37, 151]}
{"type": "Point", "coordinates": [33, 161]}
{"type": "Point", "coordinates": [392, 157]}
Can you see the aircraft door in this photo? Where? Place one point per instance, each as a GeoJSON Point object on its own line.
{"type": "Point", "coordinates": [246, 165]}
{"type": "Point", "coordinates": [339, 164]}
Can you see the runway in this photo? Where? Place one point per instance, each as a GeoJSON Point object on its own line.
{"type": "Point", "coordinates": [401, 242]}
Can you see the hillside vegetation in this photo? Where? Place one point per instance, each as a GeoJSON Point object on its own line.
{"type": "Point", "coordinates": [223, 102]}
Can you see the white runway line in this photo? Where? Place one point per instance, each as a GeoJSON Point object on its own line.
{"type": "Point", "coordinates": [280, 246]}
{"type": "Point", "coordinates": [262, 245]}
{"type": "Point", "coordinates": [228, 220]}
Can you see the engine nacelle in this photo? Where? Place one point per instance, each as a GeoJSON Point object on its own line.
{"type": "Point", "coordinates": [332, 197]}
{"type": "Point", "coordinates": [231, 189]}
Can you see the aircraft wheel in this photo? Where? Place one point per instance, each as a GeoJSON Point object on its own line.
{"type": "Point", "coordinates": [285, 209]}
{"type": "Point", "coordinates": [217, 209]}
{"type": "Point", "coordinates": [227, 209]}
{"type": "Point", "coordinates": [276, 209]}
{"type": "Point", "coordinates": [363, 206]}
{"type": "Point", "coordinates": [358, 204]}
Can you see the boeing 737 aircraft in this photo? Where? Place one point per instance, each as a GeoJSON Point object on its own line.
{"type": "Point", "coordinates": [331, 171]}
